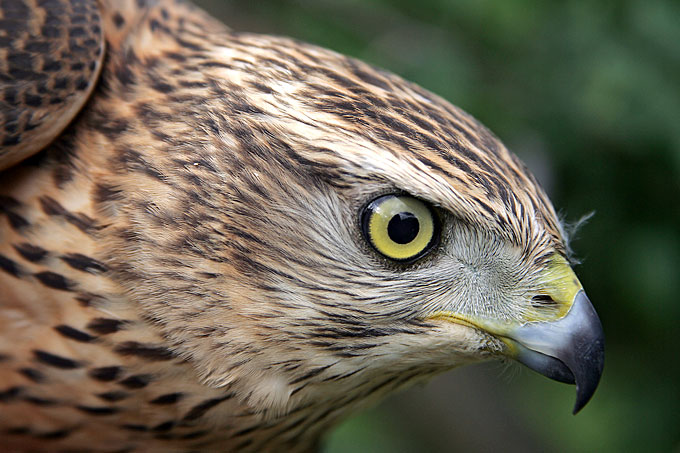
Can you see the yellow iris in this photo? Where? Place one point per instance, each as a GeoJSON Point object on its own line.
{"type": "Point", "coordinates": [400, 227]}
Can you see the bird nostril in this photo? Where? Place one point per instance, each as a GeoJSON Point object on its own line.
{"type": "Point", "coordinates": [542, 300]}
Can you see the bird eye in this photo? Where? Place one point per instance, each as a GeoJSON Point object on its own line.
{"type": "Point", "coordinates": [400, 227]}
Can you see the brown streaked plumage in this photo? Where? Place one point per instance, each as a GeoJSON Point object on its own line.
{"type": "Point", "coordinates": [54, 55]}
{"type": "Point", "coordinates": [183, 267]}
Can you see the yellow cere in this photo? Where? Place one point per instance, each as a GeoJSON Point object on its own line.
{"type": "Point", "coordinates": [558, 281]}
{"type": "Point", "coordinates": [379, 221]}
{"type": "Point", "coordinates": [561, 283]}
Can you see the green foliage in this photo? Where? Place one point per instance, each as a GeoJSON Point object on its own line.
{"type": "Point", "coordinates": [588, 94]}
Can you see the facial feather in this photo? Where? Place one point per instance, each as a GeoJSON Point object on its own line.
{"type": "Point", "coordinates": [218, 178]}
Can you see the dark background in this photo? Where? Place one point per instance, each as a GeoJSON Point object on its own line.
{"type": "Point", "coordinates": [587, 93]}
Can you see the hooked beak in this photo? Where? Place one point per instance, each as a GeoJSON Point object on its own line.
{"type": "Point", "coordinates": [565, 344]}
{"type": "Point", "coordinates": [569, 350]}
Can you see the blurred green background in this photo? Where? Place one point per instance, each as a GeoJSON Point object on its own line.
{"type": "Point", "coordinates": [587, 93]}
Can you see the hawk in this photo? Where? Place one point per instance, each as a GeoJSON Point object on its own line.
{"type": "Point", "coordinates": [214, 240]}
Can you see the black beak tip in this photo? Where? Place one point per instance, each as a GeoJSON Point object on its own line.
{"type": "Point", "coordinates": [589, 373]}
{"type": "Point", "coordinates": [570, 350]}
{"type": "Point", "coordinates": [587, 361]}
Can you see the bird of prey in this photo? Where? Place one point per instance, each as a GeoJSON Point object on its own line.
{"type": "Point", "coordinates": [223, 241]}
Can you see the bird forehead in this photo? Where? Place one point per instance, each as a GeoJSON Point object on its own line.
{"type": "Point", "coordinates": [338, 111]}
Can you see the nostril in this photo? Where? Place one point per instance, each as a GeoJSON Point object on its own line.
{"type": "Point", "coordinates": [542, 300]}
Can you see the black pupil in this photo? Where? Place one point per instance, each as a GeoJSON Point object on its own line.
{"type": "Point", "coordinates": [403, 228]}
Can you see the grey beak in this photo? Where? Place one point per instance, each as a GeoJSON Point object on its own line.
{"type": "Point", "coordinates": [569, 350]}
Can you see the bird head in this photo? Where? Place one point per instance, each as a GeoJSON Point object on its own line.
{"type": "Point", "coordinates": [308, 229]}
